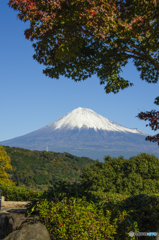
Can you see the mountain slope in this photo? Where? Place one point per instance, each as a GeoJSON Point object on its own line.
{"type": "Point", "coordinates": [83, 132]}
{"type": "Point", "coordinates": [40, 169]}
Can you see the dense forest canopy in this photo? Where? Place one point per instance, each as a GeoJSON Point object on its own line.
{"type": "Point", "coordinates": [37, 169]}
{"type": "Point", "coordinates": [40, 169]}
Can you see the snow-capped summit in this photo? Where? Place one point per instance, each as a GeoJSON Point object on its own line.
{"type": "Point", "coordinates": [83, 132]}
{"type": "Point", "coordinates": [84, 117]}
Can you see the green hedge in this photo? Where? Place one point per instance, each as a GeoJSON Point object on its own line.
{"type": "Point", "coordinates": [15, 193]}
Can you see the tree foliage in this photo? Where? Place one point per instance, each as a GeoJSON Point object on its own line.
{"type": "Point", "coordinates": [139, 174]}
{"type": "Point", "coordinates": [40, 169]}
{"type": "Point", "coordinates": [80, 38]}
{"type": "Point", "coordinates": [153, 117]}
{"type": "Point", "coordinates": [4, 167]}
{"type": "Point", "coordinates": [121, 30]}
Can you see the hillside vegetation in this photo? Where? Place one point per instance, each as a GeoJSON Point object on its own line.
{"type": "Point", "coordinates": [139, 174]}
{"type": "Point", "coordinates": [109, 199]}
{"type": "Point", "coordinates": [39, 169]}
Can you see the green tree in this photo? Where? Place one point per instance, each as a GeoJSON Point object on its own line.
{"type": "Point", "coordinates": [4, 167]}
{"type": "Point", "coordinates": [138, 174]}
{"type": "Point", "coordinates": [133, 183]}
{"type": "Point", "coordinates": [80, 38]}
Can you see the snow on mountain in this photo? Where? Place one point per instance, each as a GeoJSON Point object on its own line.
{"type": "Point", "coordinates": [83, 117]}
{"type": "Point", "coordinates": [83, 132]}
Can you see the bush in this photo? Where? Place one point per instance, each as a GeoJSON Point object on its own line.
{"type": "Point", "coordinates": [70, 212]}
{"type": "Point", "coordinates": [76, 218]}
{"type": "Point", "coordinates": [14, 193]}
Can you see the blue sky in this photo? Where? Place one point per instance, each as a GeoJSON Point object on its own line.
{"type": "Point", "coordinates": [30, 100]}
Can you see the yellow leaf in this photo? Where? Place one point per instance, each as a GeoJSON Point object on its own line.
{"type": "Point", "coordinates": [4, 166]}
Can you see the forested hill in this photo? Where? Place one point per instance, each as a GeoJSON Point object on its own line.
{"type": "Point", "coordinates": [39, 169]}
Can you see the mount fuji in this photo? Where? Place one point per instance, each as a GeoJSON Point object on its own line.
{"type": "Point", "coordinates": [83, 132]}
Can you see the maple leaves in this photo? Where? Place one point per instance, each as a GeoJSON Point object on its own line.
{"type": "Point", "coordinates": [153, 117]}
{"type": "Point", "coordinates": [91, 12]}
{"type": "Point", "coordinates": [27, 8]}
{"type": "Point", "coordinates": [28, 33]}
{"type": "Point", "coordinates": [31, 5]}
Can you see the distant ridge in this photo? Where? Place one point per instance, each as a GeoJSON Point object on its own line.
{"type": "Point", "coordinates": [83, 132]}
